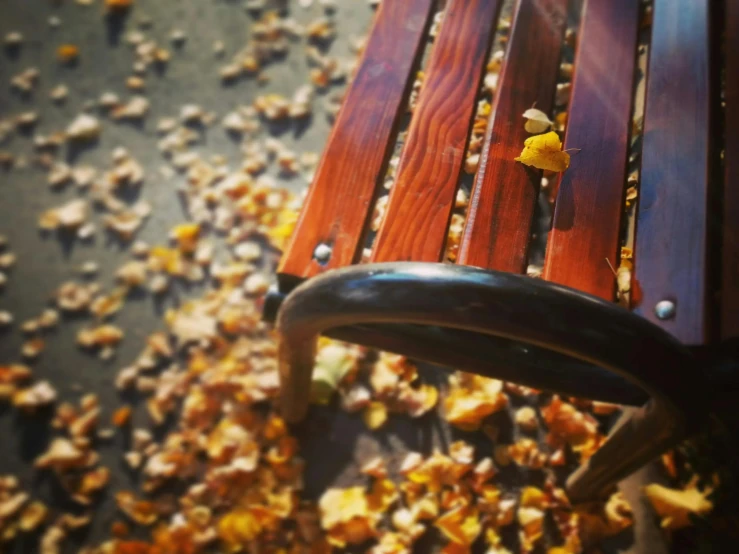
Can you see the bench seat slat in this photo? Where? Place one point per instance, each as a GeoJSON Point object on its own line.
{"type": "Point", "coordinates": [501, 207]}
{"type": "Point", "coordinates": [730, 281]}
{"type": "Point", "coordinates": [422, 198]}
{"type": "Point", "coordinates": [589, 206]}
{"type": "Point", "coordinates": [354, 161]}
{"type": "Point", "coordinates": [671, 254]}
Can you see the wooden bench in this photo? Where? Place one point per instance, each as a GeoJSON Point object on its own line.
{"type": "Point", "coordinates": [564, 332]}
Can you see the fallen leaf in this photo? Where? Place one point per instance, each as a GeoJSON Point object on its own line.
{"type": "Point", "coordinates": [62, 453]}
{"type": "Point", "coordinates": [33, 515]}
{"type": "Point", "coordinates": [10, 506]}
{"type": "Point", "coordinates": [121, 416]}
{"type": "Point", "coordinates": [460, 525]}
{"type": "Point", "coordinates": [375, 415]}
{"type": "Point", "coordinates": [346, 515]}
{"type": "Point", "coordinates": [596, 520]}
{"type": "Point", "coordinates": [536, 121]}
{"type": "Point", "coordinates": [333, 362]}
{"type": "Point", "coordinates": [676, 506]}
{"type": "Point", "coordinates": [40, 394]}
{"type": "Point", "coordinates": [472, 398]}
{"type": "Point", "coordinates": [384, 493]}
{"type": "Point", "coordinates": [121, 5]}
{"type": "Point", "coordinates": [567, 424]}
{"type": "Point", "coordinates": [544, 152]}
{"type": "Point", "coordinates": [531, 521]}
{"type": "Point", "coordinates": [67, 53]}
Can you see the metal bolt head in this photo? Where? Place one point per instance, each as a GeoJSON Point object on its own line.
{"type": "Point", "coordinates": [322, 253]}
{"type": "Point", "coordinates": [665, 309]}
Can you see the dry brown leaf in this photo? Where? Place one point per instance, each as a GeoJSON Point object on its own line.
{"type": "Point", "coordinates": [32, 516]}
{"type": "Point", "coordinates": [100, 336]}
{"type": "Point", "coordinates": [61, 454]}
{"type": "Point", "coordinates": [676, 506]}
{"type": "Point", "coordinates": [12, 505]}
{"type": "Point", "coordinates": [597, 521]}
{"type": "Point", "coordinates": [460, 525]}
{"type": "Point", "coordinates": [472, 398]}
{"type": "Point", "coordinates": [40, 394]}
{"type": "Point", "coordinates": [346, 515]}
{"type": "Point", "coordinates": [375, 415]}
{"type": "Point", "coordinates": [67, 53]}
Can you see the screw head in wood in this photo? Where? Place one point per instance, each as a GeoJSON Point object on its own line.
{"type": "Point", "coordinates": [322, 253]}
{"type": "Point", "coordinates": [665, 309]}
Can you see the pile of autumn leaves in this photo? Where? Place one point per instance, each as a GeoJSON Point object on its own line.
{"type": "Point", "coordinates": [457, 492]}
{"type": "Point", "coordinates": [249, 494]}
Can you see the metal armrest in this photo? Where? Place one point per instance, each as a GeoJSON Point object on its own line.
{"type": "Point", "coordinates": [609, 348]}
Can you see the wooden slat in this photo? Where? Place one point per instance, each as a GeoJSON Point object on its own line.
{"type": "Point", "coordinates": [671, 236]}
{"type": "Point", "coordinates": [496, 233]}
{"type": "Point", "coordinates": [589, 206]}
{"type": "Point", "coordinates": [355, 158]}
{"type": "Point", "coordinates": [422, 198]}
{"type": "Point", "coordinates": [730, 281]}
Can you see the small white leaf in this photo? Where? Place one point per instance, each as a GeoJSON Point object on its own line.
{"type": "Point", "coordinates": [537, 121]}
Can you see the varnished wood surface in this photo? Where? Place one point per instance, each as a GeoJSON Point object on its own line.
{"type": "Point", "coordinates": [422, 198]}
{"type": "Point", "coordinates": [730, 261]}
{"type": "Point", "coordinates": [672, 235]}
{"type": "Point", "coordinates": [589, 205]}
{"type": "Point", "coordinates": [501, 208]}
{"type": "Point", "coordinates": [340, 198]}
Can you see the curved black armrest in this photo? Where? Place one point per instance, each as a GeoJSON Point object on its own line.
{"type": "Point", "coordinates": [610, 348]}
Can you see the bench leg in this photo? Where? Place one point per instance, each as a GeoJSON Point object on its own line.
{"type": "Point", "coordinates": [296, 370]}
{"type": "Point", "coordinates": [526, 311]}
{"type": "Point", "coordinates": [636, 440]}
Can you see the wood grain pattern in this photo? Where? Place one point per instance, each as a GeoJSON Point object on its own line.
{"type": "Point", "coordinates": [496, 234]}
{"type": "Point", "coordinates": [672, 235]}
{"type": "Point", "coordinates": [354, 161]}
{"type": "Point", "coordinates": [422, 198]}
{"type": "Point", "coordinates": [730, 259]}
{"type": "Point", "coordinates": [589, 205]}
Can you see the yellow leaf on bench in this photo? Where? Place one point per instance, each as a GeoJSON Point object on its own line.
{"type": "Point", "coordinates": [544, 152]}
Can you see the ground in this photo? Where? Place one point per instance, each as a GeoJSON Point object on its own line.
{"type": "Point", "coordinates": [45, 260]}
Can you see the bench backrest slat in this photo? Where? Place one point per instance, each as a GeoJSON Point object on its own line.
{"type": "Point", "coordinates": [354, 161]}
{"type": "Point", "coordinates": [672, 224]}
{"type": "Point", "coordinates": [501, 207]}
{"type": "Point", "coordinates": [730, 281]}
{"type": "Point", "coordinates": [590, 199]}
{"type": "Point", "coordinates": [422, 198]}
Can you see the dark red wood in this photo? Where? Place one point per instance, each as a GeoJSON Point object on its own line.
{"type": "Point", "coordinates": [590, 200]}
{"type": "Point", "coordinates": [730, 281]}
{"type": "Point", "coordinates": [354, 161]}
{"type": "Point", "coordinates": [422, 198]}
{"type": "Point", "coordinates": [671, 256]}
{"type": "Point", "coordinates": [497, 229]}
